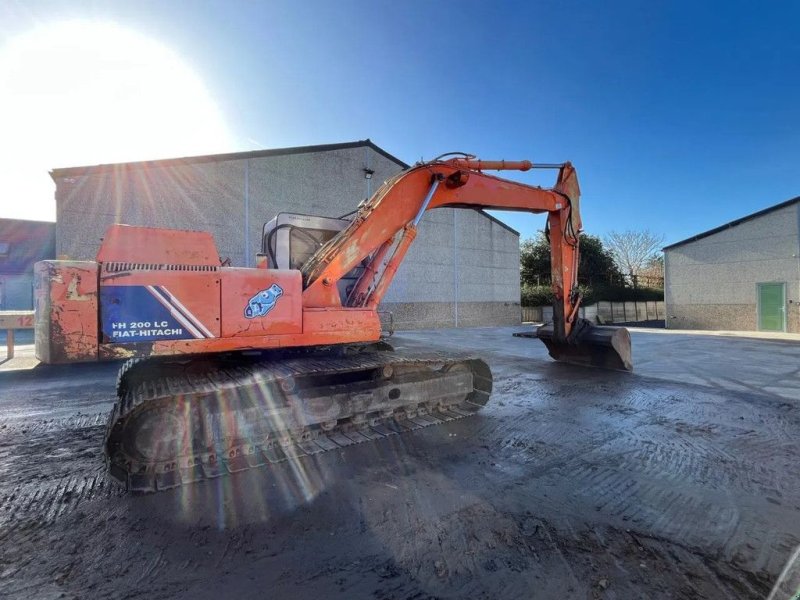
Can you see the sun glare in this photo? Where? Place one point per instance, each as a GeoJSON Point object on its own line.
{"type": "Point", "coordinates": [80, 93]}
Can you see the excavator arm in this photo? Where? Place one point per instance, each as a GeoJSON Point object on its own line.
{"type": "Point", "coordinates": [386, 225]}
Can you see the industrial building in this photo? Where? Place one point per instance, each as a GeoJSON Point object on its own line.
{"type": "Point", "coordinates": [744, 275]}
{"type": "Point", "coordinates": [463, 269]}
{"type": "Point", "coordinates": [22, 244]}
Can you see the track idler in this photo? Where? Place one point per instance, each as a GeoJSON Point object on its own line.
{"type": "Point", "coordinates": [591, 345]}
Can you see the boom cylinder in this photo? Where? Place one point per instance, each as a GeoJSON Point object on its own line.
{"type": "Point", "coordinates": [409, 233]}
{"type": "Point", "coordinates": [361, 291]}
{"type": "Point", "coordinates": [491, 165]}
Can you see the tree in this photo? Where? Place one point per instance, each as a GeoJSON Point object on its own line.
{"type": "Point", "coordinates": [652, 275]}
{"type": "Point", "coordinates": [632, 250]}
{"type": "Point", "coordinates": [534, 261]}
{"type": "Point", "coordinates": [596, 263]}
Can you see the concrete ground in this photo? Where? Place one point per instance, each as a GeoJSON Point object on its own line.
{"type": "Point", "coordinates": [679, 481]}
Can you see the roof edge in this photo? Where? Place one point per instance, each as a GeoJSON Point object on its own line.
{"type": "Point", "coordinates": [27, 221]}
{"type": "Point", "coordinates": [498, 221]}
{"type": "Point", "coordinates": [733, 223]}
{"type": "Point", "coordinates": [385, 154]}
{"type": "Point", "coordinates": [169, 162]}
{"type": "Point", "coordinates": [186, 160]}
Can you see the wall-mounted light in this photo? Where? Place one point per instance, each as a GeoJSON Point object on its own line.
{"type": "Point", "coordinates": [368, 173]}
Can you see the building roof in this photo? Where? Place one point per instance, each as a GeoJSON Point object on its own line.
{"type": "Point", "coordinates": [171, 162]}
{"type": "Point", "coordinates": [734, 223]}
{"type": "Point", "coordinates": [22, 243]}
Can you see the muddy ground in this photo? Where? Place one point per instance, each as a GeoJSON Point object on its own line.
{"type": "Point", "coordinates": [571, 483]}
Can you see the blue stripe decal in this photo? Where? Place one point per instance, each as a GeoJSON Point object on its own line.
{"type": "Point", "coordinates": [130, 313]}
{"type": "Point", "coordinates": [182, 310]}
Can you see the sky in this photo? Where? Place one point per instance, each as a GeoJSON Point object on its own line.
{"type": "Point", "coordinates": [679, 116]}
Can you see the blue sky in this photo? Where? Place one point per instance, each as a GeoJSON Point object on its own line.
{"type": "Point", "coordinates": [678, 116]}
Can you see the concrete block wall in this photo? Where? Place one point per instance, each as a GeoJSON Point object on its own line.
{"type": "Point", "coordinates": [463, 268]}
{"type": "Point", "coordinates": [462, 271]}
{"type": "Point", "coordinates": [710, 283]}
{"type": "Point", "coordinates": [320, 183]}
{"type": "Point", "coordinates": [202, 196]}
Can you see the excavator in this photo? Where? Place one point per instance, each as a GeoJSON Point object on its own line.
{"type": "Point", "coordinates": [229, 368]}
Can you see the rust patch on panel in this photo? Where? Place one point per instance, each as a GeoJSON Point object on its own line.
{"type": "Point", "coordinates": [74, 294]}
{"type": "Point", "coordinates": [66, 313]}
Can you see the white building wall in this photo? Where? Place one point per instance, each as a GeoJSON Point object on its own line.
{"type": "Point", "coordinates": [710, 283]}
{"type": "Point", "coordinates": [462, 269]}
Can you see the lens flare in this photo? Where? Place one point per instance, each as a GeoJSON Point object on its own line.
{"type": "Point", "coordinates": [234, 419]}
{"type": "Point", "coordinates": [87, 92]}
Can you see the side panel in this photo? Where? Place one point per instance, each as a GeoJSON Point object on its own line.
{"type": "Point", "coordinates": [149, 306]}
{"type": "Point", "coordinates": [363, 325]}
{"type": "Point", "coordinates": [65, 311]}
{"type": "Point", "coordinates": [322, 327]}
{"type": "Point", "coordinates": [149, 245]}
{"type": "Point", "coordinates": [258, 302]}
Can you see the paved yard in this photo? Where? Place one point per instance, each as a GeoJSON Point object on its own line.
{"type": "Point", "coordinates": [679, 481]}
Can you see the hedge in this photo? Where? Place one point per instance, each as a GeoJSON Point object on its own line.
{"type": "Point", "coordinates": [542, 295]}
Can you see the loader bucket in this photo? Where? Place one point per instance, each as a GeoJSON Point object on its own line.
{"type": "Point", "coordinates": [596, 346]}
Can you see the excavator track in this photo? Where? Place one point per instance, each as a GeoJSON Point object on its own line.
{"type": "Point", "coordinates": [184, 420]}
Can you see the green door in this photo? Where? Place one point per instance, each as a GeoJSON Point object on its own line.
{"type": "Point", "coordinates": [771, 306]}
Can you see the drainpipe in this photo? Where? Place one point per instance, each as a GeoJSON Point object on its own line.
{"type": "Point", "coordinates": [797, 283]}
{"type": "Point", "coordinates": [666, 306]}
{"type": "Point", "coordinates": [247, 256]}
{"type": "Point", "coordinates": [455, 266]}
{"type": "Point", "coordinates": [367, 168]}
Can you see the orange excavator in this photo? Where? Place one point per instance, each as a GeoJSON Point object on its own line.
{"type": "Point", "coordinates": [233, 368]}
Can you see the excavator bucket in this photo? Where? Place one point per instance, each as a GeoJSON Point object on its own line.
{"type": "Point", "coordinates": [596, 346]}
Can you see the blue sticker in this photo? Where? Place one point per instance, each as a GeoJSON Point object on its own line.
{"type": "Point", "coordinates": [263, 302]}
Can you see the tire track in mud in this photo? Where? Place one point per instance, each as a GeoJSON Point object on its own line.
{"type": "Point", "coordinates": [759, 547]}
{"type": "Point", "coordinates": [479, 551]}
{"type": "Point", "coordinates": [79, 421]}
{"type": "Point", "coordinates": [672, 500]}
{"type": "Point", "coordinates": [668, 486]}
{"type": "Point", "coordinates": [50, 468]}
{"type": "Point", "coordinates": [35, 506]}
{"type": "Point", "coordinates": [641, 493]}
{"type": "Point", "coordinates": [671, 469]}
{"type": "Point", "coordinates": [669, 512]}
{"type": "Point", "coordinates": [679, 460]}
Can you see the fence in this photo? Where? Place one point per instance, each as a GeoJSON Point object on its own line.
{"type": "Point", "coordinates": [11, 321]}
{"type": "Point", "coordinates": [603, 312]}
{"type": "Point", "coordinates": [624, 281]}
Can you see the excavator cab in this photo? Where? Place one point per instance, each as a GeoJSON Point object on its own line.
{"type": "Point", "coordinates": [288, 240]}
